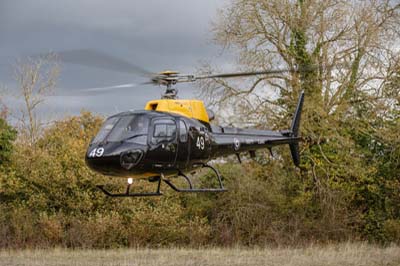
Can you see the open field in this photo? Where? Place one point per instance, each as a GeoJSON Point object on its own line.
{"type": "Point", "coordinates": [344, 254]}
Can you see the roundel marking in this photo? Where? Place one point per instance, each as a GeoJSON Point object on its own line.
{"type": "Point", "coordinates": [236, 144]}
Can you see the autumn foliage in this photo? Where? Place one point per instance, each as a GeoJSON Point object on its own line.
{"type": "Point", "coordinates": [48, 198]}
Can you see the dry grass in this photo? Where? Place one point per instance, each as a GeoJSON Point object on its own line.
{"type": "Point", "coordinates": [345, 254]}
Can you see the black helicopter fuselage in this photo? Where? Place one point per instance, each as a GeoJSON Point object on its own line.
{"type": "Point", "coordinates": [145, 144]}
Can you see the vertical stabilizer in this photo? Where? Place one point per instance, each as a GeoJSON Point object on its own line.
{"type": "Point", "coordinates": [297, 116]}
{"type": "Point", "coordinates": [294, 130]}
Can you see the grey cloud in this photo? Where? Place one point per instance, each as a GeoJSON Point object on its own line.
{"type": "Point", "coordinates": [154, 34]}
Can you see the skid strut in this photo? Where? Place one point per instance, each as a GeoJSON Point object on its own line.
{"type": "Point", "coordinates": [191, 188]}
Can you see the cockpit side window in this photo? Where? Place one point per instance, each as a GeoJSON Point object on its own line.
{"type": "Point", "coordinates": [164, 130]}
{"type": "Point", "coordinates": [160, 130]}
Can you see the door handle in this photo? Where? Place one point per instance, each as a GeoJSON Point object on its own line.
{"type": "Point", "coordinates": [170, 147]}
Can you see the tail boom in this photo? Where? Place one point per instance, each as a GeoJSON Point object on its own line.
{"type": "Point", "coordinates": [234, 140]}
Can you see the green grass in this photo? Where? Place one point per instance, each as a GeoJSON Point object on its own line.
{"type": "Point", "coordinates": [358, 254]}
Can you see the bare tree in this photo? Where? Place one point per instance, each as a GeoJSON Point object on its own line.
{"type": "Point", "coordinates": [36, 78]}
{"type": "Point", "coordinates": [3, 110]}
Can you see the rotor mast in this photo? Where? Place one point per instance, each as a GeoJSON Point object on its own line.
{"type": "Point", "coordinates": [169, 78]}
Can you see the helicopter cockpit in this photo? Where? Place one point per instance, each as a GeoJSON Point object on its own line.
{"type": "Point", "coordinates": [127, 141]}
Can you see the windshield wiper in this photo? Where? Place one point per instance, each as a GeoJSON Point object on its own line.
{"type": "Point", "coordinates": [134, 136]}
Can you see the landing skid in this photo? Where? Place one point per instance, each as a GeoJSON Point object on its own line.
{"type": "Point", "coordinates": [128, 194]}
{"type": "Point", "coordinates": [191, 188]}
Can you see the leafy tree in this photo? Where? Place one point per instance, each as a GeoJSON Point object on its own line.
{"type": "Point", "coordinates": [7, 136]}
{"type": "Point", "coordinates": [344, 52]}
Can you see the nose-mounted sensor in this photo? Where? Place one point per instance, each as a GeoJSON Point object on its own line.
{"type": "Point", "coordinates": [130, 159]}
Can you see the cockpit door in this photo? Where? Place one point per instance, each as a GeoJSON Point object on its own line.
{"type": "Point", "coordinates": [163, 143]}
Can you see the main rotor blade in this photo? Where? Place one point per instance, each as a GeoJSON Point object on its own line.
{"type": "Point", "coordinates": [94, 58]}
{"type": "Point", "coordinates": [251, 73]}
{"type": "Point", "coordinates": [97, 90]}
{"type": "Point", "coordinates": [102, 89]}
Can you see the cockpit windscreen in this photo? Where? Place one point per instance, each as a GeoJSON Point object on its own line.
{"type": "Point", "coordinates": [131, 128]}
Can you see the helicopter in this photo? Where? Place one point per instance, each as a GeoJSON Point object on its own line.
{"type": "Point", "coordinates": [172, 137]}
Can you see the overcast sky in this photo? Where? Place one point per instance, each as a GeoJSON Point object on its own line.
{"type": "Point", "coordinates": [154, 34]}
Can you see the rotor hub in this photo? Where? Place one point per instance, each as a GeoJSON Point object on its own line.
{"type": "Point", "coordinates": [168, 78]}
